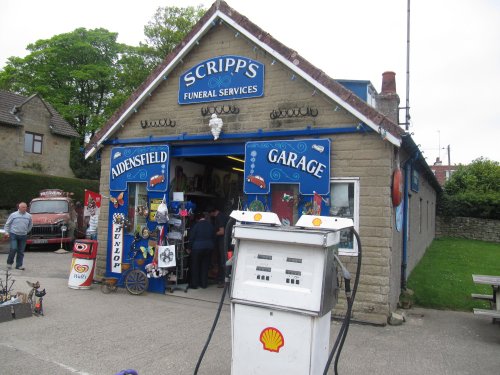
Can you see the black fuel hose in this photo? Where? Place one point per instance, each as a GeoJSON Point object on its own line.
{"type": "Point", "coordinates": [227, 237]}
{"type": "Point", "coordinates": [339, 342]}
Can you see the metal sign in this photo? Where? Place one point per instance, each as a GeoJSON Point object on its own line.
{"type": "Point", "coordinates": [225, 77]}
{"type": "Point", "coordinates": [139, 164]}
{"type": "Point", "coordinates": [304, 162]}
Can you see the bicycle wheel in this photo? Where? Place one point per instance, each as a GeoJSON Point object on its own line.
{"type": "Point", "coordinates": [136, 282]}
{"type": "Point", "coordinates": [105, 288]}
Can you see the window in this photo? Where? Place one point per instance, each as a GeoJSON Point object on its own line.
{"type": "Point", "coordinates": [344, 193]}
{"type": "Point", "coordinates": [420, 215]}
{"type": "Point", "coordinates": [33, 143]}
{"type": "Point", "coordinates": [137, 198]}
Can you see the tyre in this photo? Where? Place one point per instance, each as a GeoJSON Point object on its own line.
{"type": "Point", "coordinates": [105, 288]}
{"type": "Point", "coordinates": [136, 282]}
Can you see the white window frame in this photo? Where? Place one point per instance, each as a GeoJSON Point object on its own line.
{"type": "Point", "coordinates": [355, 181]}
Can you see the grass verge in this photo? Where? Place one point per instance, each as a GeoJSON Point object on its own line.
{"type": "Point", "coordinates": [443, 278]}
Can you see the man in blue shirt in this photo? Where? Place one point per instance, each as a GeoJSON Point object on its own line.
{"type": "Point", "coordinates": [17, 228]}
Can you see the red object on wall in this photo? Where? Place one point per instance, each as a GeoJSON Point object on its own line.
{"type": "Point", "coordinates": [397, 187]}
{"type": "Point", "coordinates": [284, 210]}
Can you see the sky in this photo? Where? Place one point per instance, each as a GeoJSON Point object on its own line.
{"type": "Point", "coordinates": [454, 52]}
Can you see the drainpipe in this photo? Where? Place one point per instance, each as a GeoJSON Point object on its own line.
{"type": "Point", "coordinates": [404, 261]}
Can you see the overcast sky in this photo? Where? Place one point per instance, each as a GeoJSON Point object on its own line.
{"type": "Point", "coordinates": [454, 52]}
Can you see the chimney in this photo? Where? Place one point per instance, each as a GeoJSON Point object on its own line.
{"type": "Point", "coordinates": [388, 99]}
{"type": "Point", "coordinates": [388, 83]}
{"type": "Point", "coordinates": [438, 161]}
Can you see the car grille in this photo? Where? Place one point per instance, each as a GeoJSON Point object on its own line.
{"type": "Point", "coordinates": [46, 231]}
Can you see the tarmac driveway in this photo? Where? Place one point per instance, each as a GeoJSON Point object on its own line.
{"type": "Point", "coordinates": [88, 332]}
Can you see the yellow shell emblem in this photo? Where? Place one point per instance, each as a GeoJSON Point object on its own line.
{"type": "Point", "coordinates": [272, 339]}
{"type": "Point", "coordinates": [257, 217]}
{"type": "Point", "coordinates": [317, 222]}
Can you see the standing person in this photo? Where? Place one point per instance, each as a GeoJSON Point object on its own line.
{"type": "Point", "coordinates": [201, 243]}
{"type": "Point", "coordinates": [221, 220]}
{"type": "Point", "coordinates": [17, 228]}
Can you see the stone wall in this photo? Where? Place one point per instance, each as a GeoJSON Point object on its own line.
{"type": "Point", "coordinates": [468, 227]}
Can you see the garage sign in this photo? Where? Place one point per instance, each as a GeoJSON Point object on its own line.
{"type": "Point", "coordinates": [225, 77]}
{"type": "Point", "coordinates": [304, 162]}
{"type": "Point", "coordinates": [148, 164]}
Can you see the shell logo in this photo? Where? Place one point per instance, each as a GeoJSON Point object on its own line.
{"type": "Point", "coordinates": [257, 217]}
{"type": "Point", "coordinates": [317, 222]}
{"type": "Point", "coordinates": [81, 268]}
{"type": "Point", "coordinates": [272, 339]}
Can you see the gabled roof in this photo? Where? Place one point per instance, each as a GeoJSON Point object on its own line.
{"type": "Point", "coordinates": [221, 12]}
{"type": "Point", "coordinates": [11, 109]}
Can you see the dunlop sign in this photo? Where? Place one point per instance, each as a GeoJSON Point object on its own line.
{"type": "Point", "coordinates": [222, 78]}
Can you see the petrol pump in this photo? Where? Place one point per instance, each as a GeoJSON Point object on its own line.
{"type": "Point", "coordinates": [284, 286]}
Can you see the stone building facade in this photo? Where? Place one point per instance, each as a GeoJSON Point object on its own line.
{"type": "Point", "coordinates": [34, 137]}
{"type": "Point", "coordinates": [367, 146]}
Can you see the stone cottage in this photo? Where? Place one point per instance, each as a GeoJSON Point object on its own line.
{"type": "Point", "coordinates": [33, 137]}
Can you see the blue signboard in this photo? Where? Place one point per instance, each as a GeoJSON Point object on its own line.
{"type": "Point", "coordinates": [225, 77]}
{"type": "Point", "coordinates": [139, 164]}
{"type": "Point", "coordinates": [304, 162]}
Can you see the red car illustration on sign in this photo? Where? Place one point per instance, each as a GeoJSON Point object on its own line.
{"type": "Point", "coordinates": [155, 180]}
{"type": "Point", "coordinates": [257, 180]}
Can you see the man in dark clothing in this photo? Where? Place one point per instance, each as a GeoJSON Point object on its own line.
{"type": "Point", "coordinates": [220, 220]}
{"type": "Point", "coordinates": [201, 243]}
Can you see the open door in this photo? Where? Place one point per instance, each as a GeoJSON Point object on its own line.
{"type": "Point", "coordinates": [283, 202]}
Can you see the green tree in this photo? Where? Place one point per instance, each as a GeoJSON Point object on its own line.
{"type": "Point", "coordinates": [85, 74]}
{"type": "Point", "coordinates": [482, 175]}
{"type": "Point", "coordinates": [169, 26]}
{"type": "Point", "coordinates": [473, 190]}
{"type": "Point", "coordinates": [76, 72]}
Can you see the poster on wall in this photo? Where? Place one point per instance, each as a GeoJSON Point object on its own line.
{"type": "Point", "coordinates": [148, 164]}
{"type": "Point", "coordinates": [302, 162]}
{"type": "Point", "coordinates": [225, 77]}
{"type": "Point", "coordinates": [92, 203]}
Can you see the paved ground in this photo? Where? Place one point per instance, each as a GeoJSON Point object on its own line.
{"type": "Point", "coordinates": [88, 332]}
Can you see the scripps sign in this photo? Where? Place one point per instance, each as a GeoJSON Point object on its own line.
{"type": "Point", "coordinates": [222, 78]}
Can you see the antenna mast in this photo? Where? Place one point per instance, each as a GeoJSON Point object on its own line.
{"type": "Point", "coordinates": [407, 108]}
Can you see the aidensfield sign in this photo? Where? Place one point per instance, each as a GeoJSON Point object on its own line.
{"type": "Point", "coordinates": [225, 77]}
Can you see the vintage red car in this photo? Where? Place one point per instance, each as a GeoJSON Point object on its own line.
{"type": "Point", "coordinates": [156, 179]}
{"type": "Point", "coordinates": [257, 180]}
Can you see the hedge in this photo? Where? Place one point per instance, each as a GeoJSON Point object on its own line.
{"type": "Point", "coordinates": [22, 187]}
{"type": "Point", "coordinates": [470, 204]}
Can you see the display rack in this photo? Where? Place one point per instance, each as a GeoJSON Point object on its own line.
{"type": "Point", "coordinates": [177, 236]}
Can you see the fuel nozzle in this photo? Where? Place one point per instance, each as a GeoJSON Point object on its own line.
{"type": "Point", "coordinates": [346, 275]}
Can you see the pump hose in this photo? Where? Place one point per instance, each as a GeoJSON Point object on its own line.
{"type": "Point", "coordinates": [339, 342]}
{"type": "Point", "coordinates": [227, 236]}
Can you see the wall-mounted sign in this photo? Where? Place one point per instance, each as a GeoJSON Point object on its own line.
{"type": "Point", "coordinates": [222, 78]}
{"type": "Point", "coordinates": [116, 247]}
{"type": "Point", "coordinates": [414, 179]}
{"type": "Point", "coordinates": [303, 162]}
{"type": "Point", "coordinates": [148, 164]}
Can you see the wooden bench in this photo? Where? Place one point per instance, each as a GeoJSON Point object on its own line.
{"type": "Point", "coordinates": [494, 282]}
{"type": "Point", "coordinates": [495, 314]}
{"type": "Point", "coordinates": [484, 297]}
